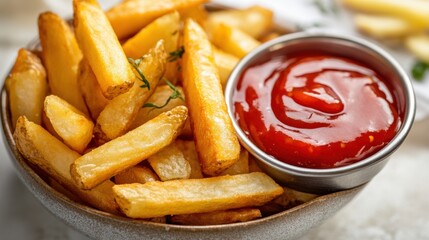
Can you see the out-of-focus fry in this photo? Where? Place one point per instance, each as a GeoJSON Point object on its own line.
{"type": "Point", "coordinates": [270, 37]}
{"type": "Point", "coordinates": [225, 62]}
{"type": "Point", "coordinates": [240, 167]}
{"type": "Point", "coordinates": [186, 196]}
{"type": "Point", "coordinates": [416, 12]}
{"type": "Point", "coordinates": [255, 21]}
{"type": "Point", "coordinates": [198, 13]}
{"type": "Point", "coordinates": [128, 150]}
{"type": "Point", "coordinates": [128, 17]}
{"type": "Point", "coordinates": [215, 139]}
{"type": "Point", "coordinates": [136, 174]}
{"type": "Point", "coordinates": [419, 46]}
{"type": "Point", "coordinates": [90, 89]}
{"type": "Point", "coordinates": [74, 128]}
{"type": "Point", "coordinates": [190, 154]}
{"type": "Point", "coordinates": [219, 217]}
{"type": "Point", "coordinates": [383, 26]}
{"type": "Point", "coordinates": [55, 158]}
{"type": "Point", "coordinates": [101, 47]}
{"type": "Point", "coordinates": [61, 57]}
{"type": "Point", "coordinates": [169, 163]}
{"type": "Point", "coordinates": [27, 87]}
{"type": "Point", "coordinates": [117, 117]}
{"type": "Point", "coordinates": [232, 40]}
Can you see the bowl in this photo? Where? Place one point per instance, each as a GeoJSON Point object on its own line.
{"type": "Point", "coordinates": [338, 178]}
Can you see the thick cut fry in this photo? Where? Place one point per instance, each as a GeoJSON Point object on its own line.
{"type": "Point", "coordinates": [233, 40]}
{"type": "Point", "coordinates": [91, 90]}
{"type": "Point", "coordinates": [186, 196]}
{"type": "Point", "coordinates": [383, 26]}
{"type": "Point", "coordinates": [240, 167]}
{"type": "Point", "coordinates": [255, 21]}
{"type": "Point", "coordinates": [198, 13]}
{"type": "Point", "coordinates": [215, 139]}
{"type": "Point", "coordinates": [74, 128]}
{"type": "Point", "coordinates": [101, 47]}
{"type": "Point", "coordinates": [419, 46]}
{"type": "Point", "coordinates": [61, 57]}
{"type": "Point", "coordinates": [128, 17]}
{"type": "Point", "coordinates": [190, 154]}
{"type": "Point", "coordinates": [169, 163]}
{"type": "Point", "coordinates": [219, 217]}
{"type": "Point", "coordinates": [253, 165]}
{"type": "Point", "coordinates": [416, 12]}
{"type": "Point", "coordinates": [117, 117]}
{"type": "Point", "coordinates": [128, 150]}
{"type": "Point", "coordinates": [225, 62]}
{"type": "Point", "coordinates": [52, 156]}
{"type": "Point", "coordinates": [27, 87]}
{"type": "Point", "coordinates": [136, 174]}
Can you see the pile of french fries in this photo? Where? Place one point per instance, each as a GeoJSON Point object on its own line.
{"type": "Point", "coordinates": [125, 111]}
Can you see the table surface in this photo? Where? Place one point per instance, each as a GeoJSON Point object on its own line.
{"type": "Point", "coordinates": [395, 205]}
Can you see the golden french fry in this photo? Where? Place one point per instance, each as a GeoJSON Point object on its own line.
{"type": "Point", "coordinates": [215, 139]}
{"type": "Point", "coordinates": [219, 217]}
{"type": "Point", "coordinates": [190, 154]}
{"type": "Point", "coordinates": [255, 21]}
{"type": "Point", "coordinates": [117, 117]}
{"type": "Point", "coordinates": [186, 196]}
{"type": "Point", "coordinates": [101, 47]}
{"type": "Point", "coordinates": [136, 174]}
{"type": "Point", "coordinates": [253, 165]}
{"type": "Point", "coordinates": [27, 87]}
{"type": "Point", "coordinates": [240, 167]}
{"type": "Point", "coordinates": [91, 90]}
{"type": "Point", "coordinates": [270, 37]}
{"type": "Point", "coordinates": [419, 46]}
{"type": "Point", "coordinates": [128, 17]}
{"type": "Point", "coordinates": [232, 40]}
{"type": "Point", "coordinates": [61, 57]}
{"type": "Point", "coordinates": [198, 13]}
{"type": "Point", "coordinates": [169, 163]}
{"type": "Point", "coordinates": [52, 156]}
{"type": "Point", "coordinates": [74, 128]}
{"type": "Point", "coordinates": [128, 150]}
{"type": "Point", "coordinates": [225, 62]}
{"type": "Point", "coordinates": [383, 26]}
{"type": "Point", "coordinates": [289, 199]}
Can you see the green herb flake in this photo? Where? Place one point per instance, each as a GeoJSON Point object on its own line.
{"type": "Point", "coordinates": [135, 63]}
{"type": "Point", "coordinates": [175, 55]}
{"type": "Point", "coordinates": [419, 70]}
{"type": "Point", "coordinates": [175, 95]}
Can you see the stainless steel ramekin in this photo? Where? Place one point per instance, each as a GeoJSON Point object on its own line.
{"type": "Point", "coordinates": [346, 177]}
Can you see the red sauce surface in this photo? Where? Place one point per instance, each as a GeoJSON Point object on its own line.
{"type": "Point", "coordinates": [316, 110]}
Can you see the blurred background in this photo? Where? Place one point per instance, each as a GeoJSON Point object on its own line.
{"type": "Point", "coordinates": [393, 206]}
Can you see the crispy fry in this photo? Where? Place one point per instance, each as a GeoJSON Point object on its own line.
{"type": "Point", "coordinates": [61, 57]}
{"type": "Point", "coordinates": [383, 26]}
{"type": "Point", "coordinates": [55, 158]}
{"type": "Point", "coordinates": [136, 174]}
{"type": "Point", "coordinates": [74, 128]}
{"type": "Point", "coordinates": [232, 40]}
{"type": "Point", "coordinates": [225, 62]}
{"type": "Point", "coordinates": [27, 87]}
{"type": "Point", "coordinates": [186, 196]}
{"type": "Point", "coordinates": [419, 46]}
{"type": "Point", "coordinates": [117, 117]}
{"type": "Point", "coordinates": [218, 217]}
{"type": "Point", "coordinates": [190, 154]}
{"type": "Point", "coordinates": [240, 167]}
{"type": "Point", "coordinates": [128, 150]}
{"type": "Point", "coordinates": [128, 17]}
{"type": "Point", "coordinates": [215, 139]}
{"type": "Point", "coordinates": [169, 163]}
{"type": "Point", "coordinates": [101, 47]}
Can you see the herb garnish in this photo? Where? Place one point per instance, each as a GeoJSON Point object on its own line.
{"type": "Point", "coordinates": [175, 55]}
{"type": "Point", "coordinates": [419, 69]}
{"type": "Point", "coordinates": [135, 63]}
{"type": "Point", "coordinates": [176, 94]}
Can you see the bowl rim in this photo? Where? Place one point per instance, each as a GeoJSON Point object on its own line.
{"type": "Point", "coordinates": [272, 46]}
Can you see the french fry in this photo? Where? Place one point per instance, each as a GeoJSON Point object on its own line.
{"type": "Point", "coordinates": [101, 47]}
{"type": "Point", "coordinates": [232, 40]}
{"type": "Point", "coordinates": [190, 154]}
{"type": "Point", "coordinates": [253, 165]}
{"type": "Point", "coordinates": [74, 128]}
{"type": "Point", "coordinates": [198, 13]}
{"type": "Point", "coordinates": [270, 37]}
{"type": "Point", "coordinates": [225, 62]}
{"type": "Point", "coordinates": [219, 217]}
{"type": "Point", "coordinates": [383, 26]}
{"type": "Point", "coordinates": [136, 174]}
{"type": "Point", "coordinates": [186, 196]}
{"type": "Point", "coordinates": [128, 150]}
{"type": "Point", "coordinates": [117, 117]}
{"type": "Point", "coordinates": [289, 199]}
{"type": "Point", "coordinates": [61, 57]}
{"type": "Point", "coordinates": [255, 21]}
{"type": "Point", "coordinates": [240, 167]}
{"type": "Point", "coordinates": [419, 46]}
{"type": "Point", "coordinates": [27, 87]}
{"type": "Point", "coordinates": [215, 139]}
{"type": "Point", "coordinates": [52, 156]}
{"type": "Point", "coordinates": [128, 17]}
{"type": "Point", "coordinates": [169, 163]}
{"type": "Point", "coordinates": [91, 90]}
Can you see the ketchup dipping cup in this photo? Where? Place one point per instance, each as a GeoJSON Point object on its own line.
{"type": "Point", "coordinates": [289, 160]}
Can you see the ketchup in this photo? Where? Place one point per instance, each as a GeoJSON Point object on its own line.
{"type": "Point", "coordinates": [316, 110]}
